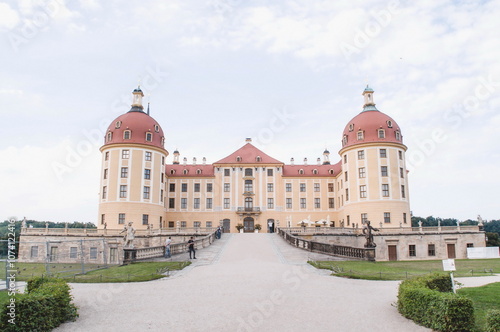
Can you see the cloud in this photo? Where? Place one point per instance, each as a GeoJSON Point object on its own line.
{"type": "Point", "coordinates": [9, 18]}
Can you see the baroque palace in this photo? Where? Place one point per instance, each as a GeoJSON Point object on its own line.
{"type": "Point", "coordinates": [144, 199]}
{"type": "Point", "coordinates": [250, 187]}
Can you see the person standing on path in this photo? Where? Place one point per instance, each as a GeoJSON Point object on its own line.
{"type": "Point", "coordinates": [167, 247]}
{"type": "Point", "coordinates": [191, 247]}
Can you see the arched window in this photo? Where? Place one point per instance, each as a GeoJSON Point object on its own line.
{"type": "Point", "coordinates": [344, 140]}
{"type": "Point", "coordinates": [238, 158]}
{"type": "Point", "coordinates": [315, 171]}
{"type": "Point", "coordinates": [301, 171]}
{"type": "Point", "coordinates": [381, 133]}
{"type": "Point", "coordinates": [258, 158]}
{"type": "Point", "coordinates": [172, 171]}
{"type": "Point", "coordinates": [110, 136]}
{"type": "Point", "coordinates": [351, 127]}
{"type": "Point", "coordinates": [248, 172]}
{"type": "Point", "coordinates": [389, 123]}
{"type": "Point", "coordinates": [198, 171]}
{"type": "Point", "coordinates": [162, 141]}
{"type": "Point", "coordinates": [126, 134]}
{"type": "Point", "coordinates": [398, 136]}
{"type": "Point", "coordinates": [118, 124]}
{"type": "Point", "coordinates": [157, 128]}
{"type": "Point", "coordinates": [149, 137]}
{"type": "Point", "coordinates": [330, 171]}
{"type": "Point", "coordinates": [185, 171]}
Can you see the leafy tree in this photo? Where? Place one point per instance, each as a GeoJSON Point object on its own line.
{"type": "Point", "coordinates": [493, 239]}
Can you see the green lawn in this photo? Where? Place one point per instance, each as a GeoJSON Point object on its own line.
{"type": "Point", "coordinates": [73, 272]}
{"type": "Point", "coordinates": [484, 298]}
{"type": "Point", "coordinates": [400, 270]}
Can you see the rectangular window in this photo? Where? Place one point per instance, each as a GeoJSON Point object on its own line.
{"type": "Point", "coordinates": [412, 250]}
{"type": "Point", "coordinates": [196, 187]}
{"type": "Point", "coordinates": [125, 154]}
{"type": "Point", "coordinates": [226, 203]}
{"type": "Point", "coordinates": [401, 172]}
{"type": "Point", "coordinates": [331, 203]}
{"type": "Point", "coordinates": [346, 194]}
{"type": "Point", "coordinates": [270, 203]}
{"type": "Point", "coordinates": [270, 187]}
{"type": "Point", "coordinates": [346, 177]}
{"type": "Point", "coordinates": [103, 219]}
{"type": "Point", "coordinates": [383, 170]}
{"type": "Point", "coordinates": [381, 133]}
{"type": "Point", "coordinates": [161, 195]}
{"type": "Point", "coordinates": [330, 187]}
{"type": "Point", "coordinates": [345, 159]}
{"type": "Point", "coordinates": [361, 154]}
{"type": "Point", "coordinates": [269, 172]}
{"type": "Point", "coordinates": [431, 250]}
{"type": "Point", "coordinates": [316, 187]}
{"type": "Point", "coordinates": [209, 203]}
{"type": "Point", "coordinates": [121, 218]}
{"type": "Point", "coordinates": [197, 224]}
{"type": "Point", "coordinates": [362, 172]}
{"type": "Point", "coordinates": [123, 191]}
{"type": "Point", "coordinates": [360, 135]}
{"type": "Point", "coordinates": [226, 187]}
{"type": "Point", "coordinates": [124, 172]}
{"type": "Point", "coordinates": [387, 217]}
{"type": "Point", "coordinates": [163, 160]}
{"type": "Point", "coordinates": [226, 172]}
{"type": "Point", "coordinates": [162, 180]}
{"type": "Point", "coordinates": [148, 155]}
{"type": "Point", "coordinates": [385, 190]}
{"type": "Point", "coordinates": [302, 187]}
{"type": "Point", "coordinates": [302, 203]}
{"type": "Point", "coordinates": [184, 203]}
{"type": "Point", "coordinates": [404, 218]}
{"type": "Point", "coordinates": [105, 174]}
{"type": "Point", "coordinates": [171, 187]}
{"type": "Point", "coordinates": [288, 187]}
{"type": "Point", "coordinates": [403, 192]}
{"type": "Point", "coordinates": [208, 224]}
{"type": "Point", "coordinates": [73, 252]}
{"type": "Point", "coordinates": [145, 194]}
{"type": "Point", "coordinates": [288, 203]}
{"type": "Point", "coordinates": [106, 156]}
{"type": "Point", "coordinates": [317, 203]}
{"type": "Point", "coordinates": [34, 251]}
{"type": "Point", "coordinates": [362, 191]}
{"type": "Point", "coordinates": [147, 174]}
{"type": "Point", "coordinates": [104, 192]}
{"type": "Point", "coordinates": [196, 204]}
{"type": "Point", "coordinates": [184, 187]}
{"type": "Point", "coordinates": [249, 185]}
{"type": "Point", "coordinates": [364, 218]}
{"type": "Point", "coordinates": [93, 253]}
{"type": "Point", "coordinates": [470, 245]}
{"type": "Point", "coordinates": [145, 219]}
{"type": "Point", "coordinates": [400, 153]}
{"type": "Point", "coordinates": [209, 187]}
{"type": "Point", "coordinates": [383, 153]}
{"type": "Point", "coordinates": [183, 224]}
{"type": "Point", "coordinates": [171, 203]}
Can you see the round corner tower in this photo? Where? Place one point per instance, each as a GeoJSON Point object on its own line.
{"type": "Point", "coordinates": [375, 182]}
{"type": "Point", "coordinates": [133, 168]}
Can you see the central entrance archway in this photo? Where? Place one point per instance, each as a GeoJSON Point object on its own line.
{"type": "Point", "coordinates": [248, 225]}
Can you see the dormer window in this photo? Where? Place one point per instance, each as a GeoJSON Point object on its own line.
{"type": "Point", "coordinates": [118, 124]}
{"type": "Point", "coordinates": [381, 133]}
{"type": "Point", "coordinates": [238, 158]}
{"type": "Point", "coordinates": [258, 158]}
{"type": "Point", "coordinates": [157, 128]}
{"type": "Point", "coordinates": [389, 123]}
{"type": "Point", "coordinates": [315, 171]}
{"type": "Point", "coordinates": [198, 171]}
{"type": "Point", "coordinates": [360, 135]}
{"type": "Point", "coordinates": [126, 134]}
{"type": "Point", "coordinates": [163, 141]}
{"type": "Point", "coordinates": [301, 171]}
{"type": "Point", "coordinates": [351, 127]}
{"type": "Point", "coordinates": [110, 136]}
{"type": "Point", "coordinates": [149, 137]}
{"type": "Point", "coordinates": [398, 136]}
{"type": "Point", "coordinates": [172, 171]}
{"type": "Point", "coordinates": [344, 140]}
{"type": "Point", "coordinates": [185, 171]}
{"type": "Point", "coordinates": [330, 171]}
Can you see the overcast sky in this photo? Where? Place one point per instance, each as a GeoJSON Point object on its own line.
{"type": "Point", "coordinates": [289, 74]}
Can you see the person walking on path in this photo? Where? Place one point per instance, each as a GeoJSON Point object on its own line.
{"type": "Point", "coordinates": [191, 247]}
{"type": "Point", "coordinates": [167, 247]}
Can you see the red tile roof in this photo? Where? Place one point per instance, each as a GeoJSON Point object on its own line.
{"type": "Point", "coordinates": [248, 155]}
{"type": "Point", "coordinates": [309, 170]}
{"type": "Point", "coordinates": [191, 170]}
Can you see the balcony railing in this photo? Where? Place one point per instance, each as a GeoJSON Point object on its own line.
{"type": "Point", "coordinates": [248, 210]}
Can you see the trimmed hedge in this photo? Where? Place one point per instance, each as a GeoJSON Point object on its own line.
{"type": "Point", "coordinates": [428, 301]}
{"type": "Point", "coordinates": [493, 321]}
{"type": "Point", "coordinates": [45, 305]}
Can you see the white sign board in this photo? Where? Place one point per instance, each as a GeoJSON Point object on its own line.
{"type": "Point", "coordinates": [449, 265]}
{"type": "Point", "coordinates": [483, 252]}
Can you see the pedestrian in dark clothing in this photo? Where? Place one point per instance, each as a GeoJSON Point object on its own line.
{"type": "Point", "coordinates": [191, 248]}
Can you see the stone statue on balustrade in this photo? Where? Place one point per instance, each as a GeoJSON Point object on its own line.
{"type": "Point", "coordinates": [129, 236]}
{"type": "Point", "coordinates": [367, 231]}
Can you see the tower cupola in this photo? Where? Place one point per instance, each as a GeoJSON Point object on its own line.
{"type": "Point", "coordinates": [137, 99]}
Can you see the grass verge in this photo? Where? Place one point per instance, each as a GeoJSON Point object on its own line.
{"type": "Point", "coordinates": [484, 298]}
{"type": "Point", "coordinates": [400, 270]}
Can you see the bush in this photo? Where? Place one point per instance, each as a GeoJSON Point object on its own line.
{"type": "Point", "coordinates": [428, 301]}
{"type": "Point", "coordinates": [493, 321]}
{"type": "Point", "coordinates": [45, 305]}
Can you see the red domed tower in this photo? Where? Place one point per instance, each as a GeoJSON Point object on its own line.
{"type": "Point", "coordinates": [374, 180]}
{"type": "Point", "coordinates": [133, 165]}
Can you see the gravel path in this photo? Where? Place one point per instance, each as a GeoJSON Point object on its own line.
{"type": "Point", "coordinates": [244, 282]}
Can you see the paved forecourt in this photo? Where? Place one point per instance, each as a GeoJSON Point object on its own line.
{"type": "Point", "coordinates": [243, 282]}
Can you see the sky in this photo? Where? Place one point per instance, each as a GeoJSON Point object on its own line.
{"type": "Point", "coordinates": [288, 74]}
